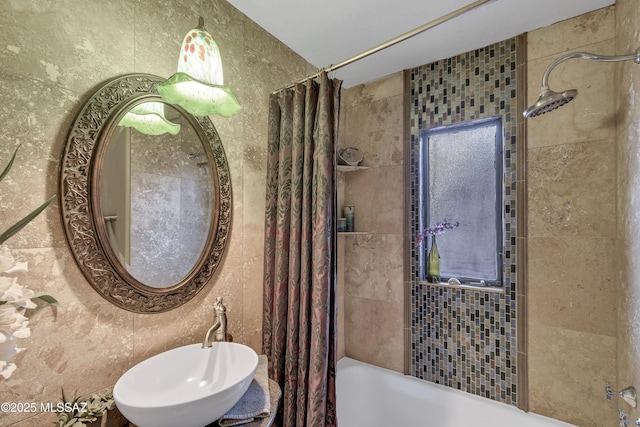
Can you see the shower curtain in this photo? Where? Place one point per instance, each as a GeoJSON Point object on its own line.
{"type": "Point", "coordinates": [299, 335]}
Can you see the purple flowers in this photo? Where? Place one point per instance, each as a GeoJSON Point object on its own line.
{"type": "Point", "coordinates": [436, 230]}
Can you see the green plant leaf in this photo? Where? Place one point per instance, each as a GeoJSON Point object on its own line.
{"type": "Point", "coordinates": [49, 300]}
{"type": "Point", "coordinates": [24, 221]}
{"type": "Point", "coordinates": [73, 400]}
{"type": "Point", "coordinates": [6, 169]}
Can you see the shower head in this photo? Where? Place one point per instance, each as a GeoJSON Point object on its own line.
{"type": "Point", "coordinates": [549, 100]}
{"type": "Point", "coordinates": [196, 154]}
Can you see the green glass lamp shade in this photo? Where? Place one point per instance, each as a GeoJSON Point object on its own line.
{"type": "Point", "coordinates": [198, 85]}
{"type": "Point", "coordinates": [148, 118]}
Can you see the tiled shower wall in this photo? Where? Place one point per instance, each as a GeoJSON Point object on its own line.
{"type": "Point", "coordinates": [572, 257]}
{"type": "Point", "coordinates": [628, 152]}
{"type": "Point", "coordinates": [467, 338]}
{"type": "Point", "coordinates": [571, 286]}
{"type": "Point", "coordinates": [371, 287]}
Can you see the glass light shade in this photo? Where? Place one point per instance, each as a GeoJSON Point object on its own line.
{"type": "Point", "coordinates": [148, 118]}
{"type": "Point", "coordinates": [198, 85]}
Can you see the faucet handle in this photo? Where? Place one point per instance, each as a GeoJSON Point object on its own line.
{"type": "Point", "coordinates": [628, 394]}
{"type": "Point", "coordinates": [218, 306]}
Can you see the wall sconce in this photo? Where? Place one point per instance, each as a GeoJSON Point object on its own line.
{"type": "Point", "coordinates": [198, 85]}
{"type": "Point", "coordinates": [148, 118]}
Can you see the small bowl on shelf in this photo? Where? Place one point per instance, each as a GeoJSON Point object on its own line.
{"type": "Point", "coordinates": [350, 156]}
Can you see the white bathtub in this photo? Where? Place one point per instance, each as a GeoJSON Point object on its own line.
{"type": "Point", "coordinates": [369, 396]}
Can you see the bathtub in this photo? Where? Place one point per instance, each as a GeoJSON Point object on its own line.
{"type": "Point", "coordinates": [369, 396]}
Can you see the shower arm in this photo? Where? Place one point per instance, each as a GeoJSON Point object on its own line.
{"type": "Point", "coordinates": [591, 57]}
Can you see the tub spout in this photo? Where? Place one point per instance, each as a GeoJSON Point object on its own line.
{"type": "Point", "coordinates": [218, 332]}
{"type": "Point", "coordinates": [625, 421]}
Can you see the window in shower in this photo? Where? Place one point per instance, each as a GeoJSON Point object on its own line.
{"type": "Point", "coordinates": [462, 170]}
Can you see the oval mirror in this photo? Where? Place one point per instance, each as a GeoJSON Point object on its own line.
{"type": "Point", "coordinates": [146, 196]}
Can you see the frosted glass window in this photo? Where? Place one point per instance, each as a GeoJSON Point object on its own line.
{"type": "Point", "coordinates": [462, 168]}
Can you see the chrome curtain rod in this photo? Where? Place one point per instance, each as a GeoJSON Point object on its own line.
{"type": "Point", "coordinates": [396, 40]}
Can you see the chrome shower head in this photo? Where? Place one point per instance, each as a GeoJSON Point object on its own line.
{"type": "Point", "coordinates": [549, 100]}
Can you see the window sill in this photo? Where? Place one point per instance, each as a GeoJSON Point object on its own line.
{"type": "Point", "coordinates": [487, 289]}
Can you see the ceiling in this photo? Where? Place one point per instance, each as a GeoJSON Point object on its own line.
{"type": "Point", "coordinates": [326, 32]}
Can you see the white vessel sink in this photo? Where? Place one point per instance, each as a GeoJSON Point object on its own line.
{"type": "Point", "coordinates": [188, 386]}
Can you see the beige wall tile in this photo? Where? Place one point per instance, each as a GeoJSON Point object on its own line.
{"type": "Point", "coordinates": [342, 242]}
{"type": "Point", "coordinates": [377, 90]}
{"type": "Point", "coordinates": [89, 343]}
{"type": "Point", "coordinates": [628, 220]}
{"type": "Point", "coordinates": [376, 129]}
{"type": "Point", "coordinates": [70, 46]}
{"type": "Point", "coordinates": [573, 284]}
{"type": "Point", "coordinates": [571, 189]}
{"type": "Point", "coordinates": [567, 373]}
{"type": "Point", "coordinates": [373, 267]}
{"type": "Point", "coordinates": [377, 196]}
{"type": "Point", "coordinates": [374, 332]}
{"type": "Point", "coordinates": [34, 175]}
{"type": "Point", "coordinates": [41, 419]}
{"type": "Point", "coordinates": [572, 252]}
{"type": "Point", "coordinates": [149, 39]}
{"type": "Point", "coordinates": [86, 338]}
{"type": "Point", "coordinates": [342, 350]}
{"type": "Point", "coordinates": [572, 33]}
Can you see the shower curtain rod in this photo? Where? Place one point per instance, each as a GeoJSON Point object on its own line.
{"type": "Point", "coordinates": [395, 40]}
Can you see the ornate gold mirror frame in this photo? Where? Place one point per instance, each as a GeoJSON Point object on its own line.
{"type": "Point", "coordinates": [83, 222]}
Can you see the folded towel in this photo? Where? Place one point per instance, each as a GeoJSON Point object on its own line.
{"type": "Point", "coordinates": [255, 403]}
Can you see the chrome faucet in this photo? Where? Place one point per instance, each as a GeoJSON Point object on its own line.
{"type": "Point", "coordinates": [218, 332]}
{"type": "Point", "coordinates": [625, 421]}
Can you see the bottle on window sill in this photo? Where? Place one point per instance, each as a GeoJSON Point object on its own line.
{"type": "Point", "coordinates": [433, 262]}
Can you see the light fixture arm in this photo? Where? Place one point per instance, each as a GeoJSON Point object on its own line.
{"type": "Point", "coordinates": [589, 56]}
{"type": "Point", "coordinates": [201, 23]}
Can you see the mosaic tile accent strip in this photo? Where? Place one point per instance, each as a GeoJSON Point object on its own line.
{"type": "Point", "coordinates": [466, 338]}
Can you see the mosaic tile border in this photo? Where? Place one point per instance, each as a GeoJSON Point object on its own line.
{"type": "Point", "coordinates": [467, 338]}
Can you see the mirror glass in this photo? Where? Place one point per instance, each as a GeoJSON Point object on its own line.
{"type": "Point", "coordinates": [155, 193]}
{"type": "Point", "coordinates": [146, 209]}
